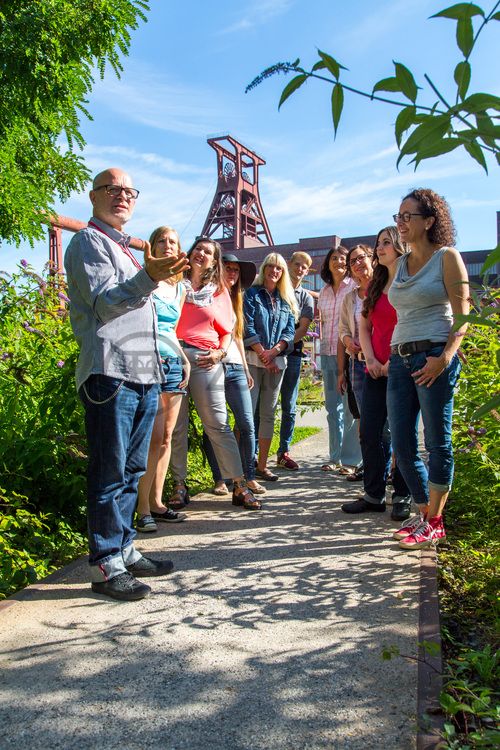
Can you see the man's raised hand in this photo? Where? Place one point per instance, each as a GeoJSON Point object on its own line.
{"type": "Point", "coordinates": [160, 269]}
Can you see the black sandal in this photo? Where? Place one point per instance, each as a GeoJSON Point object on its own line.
{"type": "Point", "coordinates": [179, 499]}
{"type": "Point", "coordinates": [243, 496]}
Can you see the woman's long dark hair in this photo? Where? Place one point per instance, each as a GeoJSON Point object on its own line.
{"type": "Point", "coordinates": [325, 272]}
{"type": "Point", "coordinates": [215, 274]}
{"type": "Point", "coordinates": [381, 273]}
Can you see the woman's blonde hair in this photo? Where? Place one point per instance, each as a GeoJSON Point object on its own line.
{"type": "Point", "coordinates": [284, 285]}
{"type": "Point", "coordinates": [153, 241]}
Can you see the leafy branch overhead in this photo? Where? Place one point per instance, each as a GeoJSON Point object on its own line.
{"type": "Point", "coordinates": [422, 130]}
{"type": "Point", "coordinates": [49, 50]}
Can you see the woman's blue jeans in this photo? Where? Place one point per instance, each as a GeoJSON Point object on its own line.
{"type": "Point", "coordinates": [289, 393]}
{"type": "Point", "coordinates": [119, 419]}
{"type": "Point", "coordinates": [240, 402]}
{"type": "Point", "coordinates": [375, 442]}
{"type": "Point", "coordinates": [405, 401]}
{"type": "Point", "coordinates": [342, 428]}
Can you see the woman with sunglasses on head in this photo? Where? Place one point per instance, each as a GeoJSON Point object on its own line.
{"type": "Point", "coordinates": [239, 274]}
{"type": "Point", "coordinates": [270, 309]}
{"type": "Point", "coordinates": [430, 288]}
{"type": "Point", "coordinates": [342, 429]}
{"type": "Point", "coordinates": [360, 269]}
{"type": "Point", "coordinates": [168, 299]}
{"type": "Point", "coordinates": [205, 331]}
{"type": "Point", "coordinates": [376, 326]}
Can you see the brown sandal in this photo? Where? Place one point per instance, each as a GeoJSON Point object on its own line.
{"type": "Point", "coordinates": [179, 499]}
{"type": "Point", "coordinates": [245, 497]}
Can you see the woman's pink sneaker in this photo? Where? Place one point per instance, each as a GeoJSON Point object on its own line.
{"type": "Point", "coordinates": [408, 527]}
{"type": "Point", "coordinates": [427, 534]}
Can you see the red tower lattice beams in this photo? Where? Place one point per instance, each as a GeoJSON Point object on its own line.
{"type": "Point", "coordinates": [236, 218]}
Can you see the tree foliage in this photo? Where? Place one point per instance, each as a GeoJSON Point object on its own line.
{"type": "Point", "coordinates": [50, 51]}
{"type": "Point", "coordinates": [429, 128]}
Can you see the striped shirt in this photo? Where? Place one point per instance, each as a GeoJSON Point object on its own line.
{"type": "Point", "coordinates": [329, 305]}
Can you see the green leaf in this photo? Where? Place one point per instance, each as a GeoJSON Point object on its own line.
{"type": "Point", "coordinates": [406, 81]}
{"type": "Point", "coordinates": [460, 10]}
{"type": "Point", "coordinates": [493, 403]}
{"type": "Point", "coordinates": [479, 103]}
{"type": "Point", "coordinates": [337, 104]}
{"type": "Point", "coordinates": [495, 17]}
{"type": "Point", "coordinates": [292, 86]}
{"type": "Point", "coordinates": [319, 65]}
{"type": "Point", "coordinates": [387, 84]}
{"type": "Point", "coordinates": [462, 78]}
{"type": "Point", "coordinates": [440, 146]}
{"type": "Point", "coordinates": [433, 127]}
{"type": "Point", "coordinates": [475, 150]}
{"type": "Point", "coordinates": [404, 120]}
{"type": "Point", "coordinates": [333, 66]}
{"type": "Point", "coordinates": [493, 257]}
{"type": "Point", "coordinates": [465, 36]}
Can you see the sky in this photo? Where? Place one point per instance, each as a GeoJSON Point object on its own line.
{"type": "Point", "coordinates": [184, 81]}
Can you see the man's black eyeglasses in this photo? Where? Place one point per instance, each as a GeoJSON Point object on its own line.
{"type": "Point", "coordinates": [115, 190]}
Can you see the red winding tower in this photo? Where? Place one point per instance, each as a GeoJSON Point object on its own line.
{"type": "Point", "coordinates": [236, 218]}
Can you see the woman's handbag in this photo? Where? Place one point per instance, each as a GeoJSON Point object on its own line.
{"type": "Point", "coordinates": [351, 398]}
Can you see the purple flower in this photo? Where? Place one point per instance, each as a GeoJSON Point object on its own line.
{"type": "Point", "coordinates": [24, 262]}
{"type": "Point", "coordinates": [30, 329]}
{"type": "Point", "coordinates": [60, 363]}
{"type": "Point", "coordinates": [62, 296]}
{"type": "Point", "coordinates": [6, 355]}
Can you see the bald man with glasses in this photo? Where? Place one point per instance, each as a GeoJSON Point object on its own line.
{"type": "Point", "coordinates": [117, 377]}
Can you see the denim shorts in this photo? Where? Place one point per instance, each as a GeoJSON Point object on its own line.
{"type": "Point", "coordinates": [172, 371]}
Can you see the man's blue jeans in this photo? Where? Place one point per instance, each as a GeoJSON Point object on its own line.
{"type": "Point", "coordinates": [376, 443]}
{"type": "Point", "coordinates": [289, 394]}
{"type": "Point", "coordinates": [405, 401]}
{"type": "Point", "coordinates": [342, 428]}
{"type": "Point", "coordinates": [119, 420]}
{"type": "Point", "coordinates": [240, 402]}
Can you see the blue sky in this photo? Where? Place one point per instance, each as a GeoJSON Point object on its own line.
{"type": "Point", "coordinates": [185, 78]}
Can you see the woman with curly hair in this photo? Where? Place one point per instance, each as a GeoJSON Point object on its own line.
{"type": "Point", "coordinates": [270, 309]}
{"type": "Point", "coordinates": [429, 290]}
{"type": "Point", "coordinates": [342, 430]}
{"type": "Point", "coordinates": [376, 326]}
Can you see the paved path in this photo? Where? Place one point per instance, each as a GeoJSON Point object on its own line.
{"type": "Point", "coordinates": [267, 636]}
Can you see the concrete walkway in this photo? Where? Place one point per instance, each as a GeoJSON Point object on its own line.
{"type": "Point", "coordinates": [267, 636]}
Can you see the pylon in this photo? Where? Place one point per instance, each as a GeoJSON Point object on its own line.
{"type": "Point", "coordinates": [236, 218]}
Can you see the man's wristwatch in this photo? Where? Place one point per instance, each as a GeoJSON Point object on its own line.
{"type": "Point", "coordinates": [278, 348]}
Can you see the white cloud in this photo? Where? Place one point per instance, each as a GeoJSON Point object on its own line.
{"type": "Point", "coordinates": [257, 13]}
{"type": "Point", "coordinates": [145, 96]}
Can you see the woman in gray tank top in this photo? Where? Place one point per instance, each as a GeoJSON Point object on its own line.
{"type": "Point", "coordinates": [430, 287]}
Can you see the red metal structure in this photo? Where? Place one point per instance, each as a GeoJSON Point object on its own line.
{"type": "Point", "coordinates": [72, 225]}
{"type": "Point", "coordinates": [236, 218]}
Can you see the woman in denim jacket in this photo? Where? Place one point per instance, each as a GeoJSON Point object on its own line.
{"type": "Point", "coordinates": [270, 310]}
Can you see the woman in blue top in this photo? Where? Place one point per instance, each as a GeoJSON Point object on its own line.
{"type": "Point", "coordinates": [168, 299]}
{"type": "Point", "coordinates": [430, 288]}
{"type": "Point", "coordinates": [270, 310]}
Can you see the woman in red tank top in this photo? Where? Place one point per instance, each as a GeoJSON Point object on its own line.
{"type": "Point", "coordinates": [377, 322]}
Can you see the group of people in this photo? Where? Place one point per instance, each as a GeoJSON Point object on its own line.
{"type": "Point", "coordinates": [389, 338]}
{"type": "Point", "coordinates": [209, 325]}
